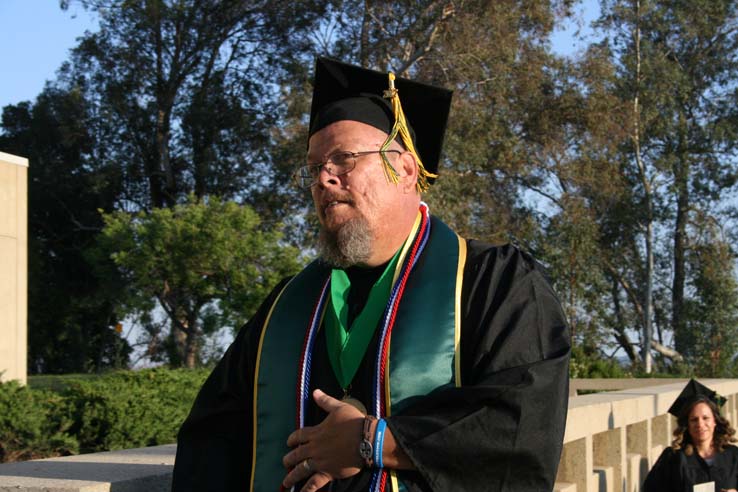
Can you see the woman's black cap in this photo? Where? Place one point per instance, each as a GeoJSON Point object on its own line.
{"type": "Point", "coordinates": [692, 392]}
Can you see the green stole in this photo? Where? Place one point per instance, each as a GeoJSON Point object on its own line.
{"type": "Point", "coordinates": [424, 350]}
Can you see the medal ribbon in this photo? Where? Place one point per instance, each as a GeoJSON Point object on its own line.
{"type": "Point", "coordinates": [346, 348]}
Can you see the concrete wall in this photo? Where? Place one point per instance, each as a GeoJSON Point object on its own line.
{"type": "Point", "coordinates": [13, 266]}
{"type": "Point", "coordinates": [130, 470]}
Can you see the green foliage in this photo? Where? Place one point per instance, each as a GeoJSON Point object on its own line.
{"type": "Point", "coordinates": [57, 382]}
{"type": "Point", "coordinates": [32, 424]}
{"type": "Point", "coordinates": [656, 129]}
{"type": "Point", "coordinates": [117, 410]}
{"type": "Point", "coordinates": [207, 263]}
{"type": "Point", "coordinates": [131, 408]}
{"type": "Point", "coordinates": [712, 327]}
{"type": "Point", "coordinates": [499, 132]}
{"type": "Point", "coordinates": [680, 155]}
{"type": "Point", "coordinates": [164, 99]}
{"type": "Point", "coordinates": [185, 93]}
{"type": "Point", "coordinates": [591, 365]}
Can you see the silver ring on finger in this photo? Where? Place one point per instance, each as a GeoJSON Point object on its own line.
{"type": "Point", "coordinates": [306, 466]}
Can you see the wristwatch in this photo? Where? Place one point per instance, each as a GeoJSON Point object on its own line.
{"type": "Point", "coordinates": [365, 446]}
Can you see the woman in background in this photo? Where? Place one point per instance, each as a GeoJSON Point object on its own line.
{"type": "Point", "coordinates": [701, 451]}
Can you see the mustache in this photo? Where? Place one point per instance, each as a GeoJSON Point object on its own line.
{"type": "Point", "coordinates": [336, 197]}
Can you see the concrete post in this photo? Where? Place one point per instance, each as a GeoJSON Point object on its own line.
{"type": "Point", "coordinates": [661, 430]}
{"type": "Point", "coordinates": [638, 438]}
{"type": "Point", "coordinates": [609, 451]}
{"type": "Point", "coordinates": [576, 464]}
{"type": "Point", "coordinates": [635, 469]}
{"type": "Point", "coordinates": [13, 266]}
{"type": "Point", "coordinates": [727, 409]}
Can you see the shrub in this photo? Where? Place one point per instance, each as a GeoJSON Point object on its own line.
{"type": "Point", "coordinates": [118, 410]}
{"type": "Point", "coordinates": [131, 409]}
{"type": "Point", "coordinates": [30, 424]}
{"type": "Point", "coordinates": [589, 365]}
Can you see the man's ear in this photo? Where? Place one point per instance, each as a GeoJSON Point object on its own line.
{"type": "Point", "coordinates": [409, 172]}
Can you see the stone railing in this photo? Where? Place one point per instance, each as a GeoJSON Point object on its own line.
{"type": "Point", "coordinates": [130, 470]}
{"type": "Point", "coordinates": [611, 441]}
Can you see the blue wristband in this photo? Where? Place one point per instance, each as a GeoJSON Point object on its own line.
{"type": "Point", "coordinates": [379, 442]}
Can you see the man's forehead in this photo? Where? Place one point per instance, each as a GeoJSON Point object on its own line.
{"type": "Point", "coordinates": [345, 135]}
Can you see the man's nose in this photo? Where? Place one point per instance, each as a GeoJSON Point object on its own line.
{"type": "Point", "coordinates": [325, 177]}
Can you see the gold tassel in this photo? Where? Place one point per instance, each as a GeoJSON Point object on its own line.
{"type": "Point", "coordinates": [400, 127]}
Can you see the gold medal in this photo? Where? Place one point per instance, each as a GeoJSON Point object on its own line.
{"type": "Point", "coordinates": [354, 403]}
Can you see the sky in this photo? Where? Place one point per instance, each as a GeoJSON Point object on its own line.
{"type": "Point", "coordinates": [35, 40]}
{"type": "Point", "coordinates": [36, 37]}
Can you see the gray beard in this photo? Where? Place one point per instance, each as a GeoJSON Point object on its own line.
{"type": "Point", "coordinates": [349, 246]}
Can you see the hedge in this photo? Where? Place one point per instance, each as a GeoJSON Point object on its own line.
{"type": "Point", "coordinates": [118, 410]}
{"type": "Point", "coordinates": [31, 425]}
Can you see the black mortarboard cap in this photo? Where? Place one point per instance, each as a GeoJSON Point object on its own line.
{"type": "Point", "coordinates": [349, 92]}
{"type": "Point", "coordinates": [691, 392]}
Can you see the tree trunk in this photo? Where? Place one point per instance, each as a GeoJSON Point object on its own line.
{"type": "Point", "coordinates": [179, 337]}
{"type": "Point", "coordinates": [666, 351]}
{"type": "Point", "coordinates": [164, 167]}
{"type": "Point", "coordinates": [571, 311]}
{"type": "Point", "coordinates": [161, 177]}
{"type": "Point", "coordinates": [620, 335]}
{"type": "Point", "coordinates": [366, 25]}
{"type": "Point", "coordinates": [192, 344]}
{"type": "Point", "coordinates": [648, 302]}
{"type": "Point", "coordinates": [681, 173]}
{"type": "Point", "coordinates": [648, 226]}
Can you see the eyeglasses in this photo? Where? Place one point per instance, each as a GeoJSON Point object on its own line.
{"type": "Point", "coordinates": [336, 164]}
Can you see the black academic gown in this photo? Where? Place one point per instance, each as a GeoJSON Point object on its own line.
{"type": "Point", "coordinates": [501, 431]}
{"type": "Point", "coordinates": [674, 471]}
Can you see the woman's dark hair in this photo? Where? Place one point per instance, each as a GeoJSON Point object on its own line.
{"type": "Point", "coordinates": [722, 436]}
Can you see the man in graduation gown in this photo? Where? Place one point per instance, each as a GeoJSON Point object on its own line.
{"type": "Point", "coordinates": [406, 357]}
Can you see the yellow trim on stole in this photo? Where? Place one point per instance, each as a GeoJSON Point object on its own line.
{"type": "Point", "coordinates": [393, 481]}
{"type": "Point", "coordinates": [405, 248]}
{"type": "Point", "coordinates": [457, 325]}
{"type": "Point", "coordinates": [457, 340]}
{"type": "Point", "coordinates": [398, 268]}
{"type": "Point", "coordinates": [256, 374]}
{"type": "Point", "coordinates": [256, 381]}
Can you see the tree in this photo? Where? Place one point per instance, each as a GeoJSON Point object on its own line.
{"type": "Point", "coordinates": [500, 132]}
{"type": "Point", "coordinates": [674, 61]}
{"type": "Point", "coordinates": [595, 141]}
{"type": "Point", "coordinates": [206, 263]}
{"type": "Point", "coordinates": [185, 91]}
{"type": "Point", "coordinates": [71, 318]}
{"type": "Point", "coordinates": [712, 311]}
